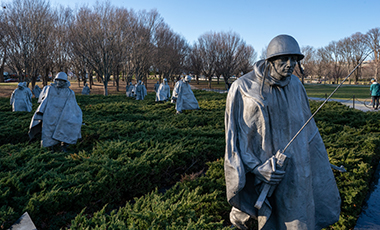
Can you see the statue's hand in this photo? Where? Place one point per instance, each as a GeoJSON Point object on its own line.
{"type": "Point", "coordinates": [265, 173]}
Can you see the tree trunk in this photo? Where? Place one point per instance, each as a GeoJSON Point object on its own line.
{"type": "Point", "coordinates": [2, 66]}
{"type": "Point", "coordinates": [105, 83]}
{"type": "Point", "coordinates": [78, 78]}
{"type": "Point", "coordinates": [209, 82]}
{"type": "Point", "coordinates": [116, 78]}
{"type": "Point", "coordinates": [90, 78]}
{"type": "Point", "coordinates": [46, 77]}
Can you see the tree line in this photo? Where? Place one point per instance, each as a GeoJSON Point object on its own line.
{"type": "Point", "coordinates": [37, 39]}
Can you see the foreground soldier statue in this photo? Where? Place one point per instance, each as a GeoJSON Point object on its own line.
{"type": "Point", "coordinates": [163, 91]}
{"type": "Point", "coordinates": [265, 108]}
{"type": "Point", "coordinates": [21, 98]}
{"type": "Point", "coordinates": [183, 96]}
{"type": "Point", "coordinates": [58, 117]}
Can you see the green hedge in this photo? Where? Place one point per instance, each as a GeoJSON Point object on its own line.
{"type": "Point", "coordinates": [141, 166]}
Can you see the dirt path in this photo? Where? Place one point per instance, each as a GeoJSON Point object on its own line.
{"type": "Point", "coordinates": [6, 89]}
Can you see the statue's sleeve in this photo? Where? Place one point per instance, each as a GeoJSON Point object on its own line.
{"type": "Point", "coordinates": [12, 96]}
{"type": "Point", "coordinates": [239, 159]}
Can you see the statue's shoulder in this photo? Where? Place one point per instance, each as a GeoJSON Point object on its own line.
{"type": "Point", "coordinates": [248, 82]}
{"type": "Point", "coordinates": [295, 82]}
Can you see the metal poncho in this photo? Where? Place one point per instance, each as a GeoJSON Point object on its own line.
{"type": "Point", "coordinates": [163, 92]}
{"type": "Point", "coordinates": [21, 98]}
{"type": "Point", "coordinates": [140, 91]}
{"type": "Point", "coordinates": [185, 99]}
{"type": "Point", "coordinates": [129, 90]}
{"type": "Point", "coordinates": [86, 90]}
{"type": "Point", "coordinates": [58, 118]}
{"type": "Point", "coordinates": [37, 91]}
{"type": "Point", "coordinates": [256, 128]}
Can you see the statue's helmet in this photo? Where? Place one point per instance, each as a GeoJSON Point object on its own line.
{"type": "Point", "coordinates": [283, 45]}
{"type": "Point", "coordinates": [61, 76]}
{"type": "Point", "coordinates": [188, 78]}
{"type": "Point", "coordinates": [21, 85]}
{"type": "Point", "coordinates": [165, 79]}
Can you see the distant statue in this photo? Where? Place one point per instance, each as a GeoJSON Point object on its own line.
{"type": "Point", "coordinates": [86, 90]}
{"type": "Point", "coordinates": [21, 98]}
{"type": "Point", "coordinates": [130, 90]}
{"type": "Point", "coordinates": [163, 92]}
{"type": "Point", "coordinates": [58, 118]}
{"type": "Point", "coordinates": [156, 86]}
{"type": "Point", "coordinates": [37, 91]}
{"type": "Point", "coordinates": [265, 108]}
{"type": "Point", "coordinates": [183, 96]}
{"type": "Point", "coordinates": [140, 90]}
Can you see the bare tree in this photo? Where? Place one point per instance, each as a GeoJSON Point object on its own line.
{"type": "Point", "coordinates": [95, 37]}
{"type": "Point", "coordinates": [29, 25]}
{"type": "Point", "coordinates": [232, 54]}
{"type": "Point", "coordinates": [372, 38]}
{"type": "Point", "coordinates": [334, 54]}
{"type": "Point", "coordinates": [194, 63]}
{"type": "Point", "coordinates": [246, 59]}
{"type": "Point", "coordinates": [171, 51]}
{"type": "Point", "coordinates": [141, 56]}
{"type": "Point", "coordinates": [308, 63]}
{"type": "Point", "coordinates": [207, 51]}
{"type": "Point", "coordinates": [355, 49]}
{"type": "Point", "coordinates": [3, 43]}
{"type": "Point", "coordinates": [323, 64]}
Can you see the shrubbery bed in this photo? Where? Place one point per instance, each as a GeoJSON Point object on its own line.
{"type": "Point", "coordinates": [139, 165]}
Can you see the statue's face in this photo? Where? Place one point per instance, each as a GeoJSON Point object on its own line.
{"type": "Point", "coordinates": [60, 83]}
{"type": "Point", "coordinates": [283, 66]}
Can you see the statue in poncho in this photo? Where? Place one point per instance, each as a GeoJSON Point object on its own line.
{"type": "Point", "coordinates": [183, 96]}
{"type": "Point", "coordinates": [156, 86]}
{"type": "Point", "coordinates": [37, 91]}
{"type": "Point", "coordinates": [140, 90]}
{"type": "Point", "coordinates": [58, 118]}
{"type": "Point", "coordinates": [163, 92]}
{"type": "Point", "coordinates": [130, 90]}
{"type": "Point", "coordinates": [265, 108]}
{"type": "Point", "coordinates": [86, 90]}
{"type": "Point", "coordinates": [21, 98]}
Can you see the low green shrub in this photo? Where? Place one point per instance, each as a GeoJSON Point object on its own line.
{"type": "Point", "coordinates": [139, 165]}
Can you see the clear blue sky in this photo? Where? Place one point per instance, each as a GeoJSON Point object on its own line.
{"type": "Point", "coordinates": [314, 23]}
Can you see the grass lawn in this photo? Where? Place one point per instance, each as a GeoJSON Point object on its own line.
{"type": "Point", "coordinates": [344, 92]}
{"type": "Point", "coordinates": [361, 92]}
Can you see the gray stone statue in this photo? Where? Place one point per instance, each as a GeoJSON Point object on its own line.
{"type": "Point", "coordinates": [264, 110]}
{"type": "Point", "coordinates": [21, 98]}
{"type": "Point", "coordinates": [140, 90]}
{"type": "Point", "coordinates": [156, 86]}
{"type": "Point", "coordinates": [37, 91]}
{"type": "Point", "coordinates": [58, 118]}
{"type": "Point", "coordinates": [86, 90]}
{"type": "Point", "coordinates": [163, 92]}
{"type": "Point", "coordinates": [130, 90]}
{"type": "Point", "coordinates": [183, 96]}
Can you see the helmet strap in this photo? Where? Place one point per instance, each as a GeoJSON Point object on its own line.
{"type": "Point", "coordinates": [266, 67]}
{"type": "Point", "coordinates": [301, 69]}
